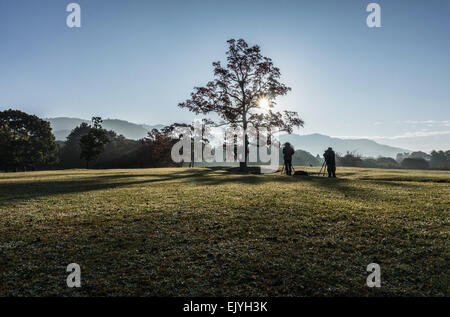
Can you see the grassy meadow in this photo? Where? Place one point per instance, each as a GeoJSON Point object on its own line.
{"type": "Point", "coordinates": [209, 232]}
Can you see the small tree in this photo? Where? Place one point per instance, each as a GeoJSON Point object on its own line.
{"type": "Point", "coordinates": [25, 141]}
{"type": "Point", "coordinates": [93, 143]}
{"type": "Point", "coordinates": [237, 92]}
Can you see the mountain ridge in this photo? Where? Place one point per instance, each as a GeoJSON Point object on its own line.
{"type": "Point", "coordinates": [62, 126]}
{"type": "Point", "coordinates": [317, 143]}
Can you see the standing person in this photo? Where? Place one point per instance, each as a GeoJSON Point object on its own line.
{"type": "Point", "coordinates": [330, 159]}
{"type": "Point", "coordinates": [288, 151]}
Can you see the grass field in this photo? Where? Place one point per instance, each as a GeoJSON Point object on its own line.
{"type": "Point", "coordinates": [203, 232]}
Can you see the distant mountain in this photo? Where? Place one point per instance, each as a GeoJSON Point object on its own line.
{"type": "Point", "coordinates": [318, 143]}
{"type": "Point", "coordinates": [63, 126]}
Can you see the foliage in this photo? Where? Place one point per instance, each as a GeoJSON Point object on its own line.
{"type": "Point", "coordinates": [415, 163]}
{"type": "Point", "coordinates": [119, 152]}
{"type": "Point", "coordinates": [415, 155]}
{"type": "Point", "coordinates": [440, 159]}
{"type": "Point", "coordinates": [386, 162]}
{"type": "Point", "coordinates": [420, 155]}
{"type": "Point", "coordinates": [196, 136]}
{"type": "Point", "coordinates": [26, 141]}
{"type": "Point", "coordinates": [349, 160]}
{"type": "Point", "coordinates": [70, 151]}
{"type": "Point", "coordinates": [155, 149]}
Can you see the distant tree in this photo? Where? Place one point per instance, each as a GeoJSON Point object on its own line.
{"type": "Point", "coordinates": [401, 156]}
{"type": "Point", "coordinates": [386, 162]}
{"type": "Point", "coordinates": [120, 152]}
{"type": "Point", "coordinates": [195, 135]}
{"type": "Point", "coordinates": [26, 141]}
{"type": "Point", "coordinates": [155, 149]}
{"type": "Point", "coordinates": [420, 154]}
{"type": "Point", "coordinates": [349, 160]}
{"type": "Point", "coordinates": [93, 143]}
{"type": "Point", "coordinates": [415, 163]}
{"type": "Point", "coordinates": [70, 151]}
{"type": "Point", "coordinates": [235, 93]}
{"type": "Point", "coordinates": [369, 162]}
{"type": "Point", "coordinates": [440, 160]}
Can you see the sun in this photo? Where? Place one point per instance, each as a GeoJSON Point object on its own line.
{"type": "Point", "coordinates": [263, 102]}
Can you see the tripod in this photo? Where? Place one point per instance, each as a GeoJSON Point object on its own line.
{"type": "Point", "coordinates": [324, 168]}
{"type": "Point", "coordinates": [283, 170]}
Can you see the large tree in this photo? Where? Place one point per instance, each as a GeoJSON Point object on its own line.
{"type": "Point", "coordinates": [238, 91]}
{"type": "Point", "coordinates": [26, 141]}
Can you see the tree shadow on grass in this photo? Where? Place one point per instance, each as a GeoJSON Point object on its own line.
{"type": "Point", "coordinates": [213, 176]}
{"type": "Point", "coordinates": [23, 190]}
{"type": "Point", "coordinates": [345, 186]}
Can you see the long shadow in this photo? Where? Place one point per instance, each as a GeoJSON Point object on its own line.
{"type": "Point", "coordinates": [342, 185]}
{"type": "Point", "coordinates": [17, 191]}
{"type": "Point", "coordinates": [82, 173]}
{"type": "Point", "coordinates": [11, 191]}
{"type": "Point", "coordinates": [14, 176]}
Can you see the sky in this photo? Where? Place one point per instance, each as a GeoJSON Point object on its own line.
{"type": "Point", "coordinates": [136, 60]}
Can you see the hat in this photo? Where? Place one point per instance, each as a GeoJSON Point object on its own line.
{"type": "Point", "coordinates": [330, 148]}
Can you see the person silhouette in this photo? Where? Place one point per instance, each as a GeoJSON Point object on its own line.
{"type": "Point", "coordinates": [330, 159]}
{"type": "Point", "coordinates": [288, 151]}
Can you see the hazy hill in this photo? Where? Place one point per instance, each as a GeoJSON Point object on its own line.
{"type": "Point", "coordinates": [62, 127]}
{"type": "Point", "coordinates": [303, 158]}
{"type": "Point", "coordinates": [318, 143]}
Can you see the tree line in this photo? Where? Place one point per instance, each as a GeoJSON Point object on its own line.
{"type": "Point", "coordinates": [27, 143]}
{"type": "Point", "coordinates": [415, 160]}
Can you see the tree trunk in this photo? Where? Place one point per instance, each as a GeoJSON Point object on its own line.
{"type": "Point", "coordinates": [243, 165]}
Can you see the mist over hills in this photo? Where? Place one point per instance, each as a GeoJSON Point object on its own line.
{"type": "Point", "coordinates": [313, 143]}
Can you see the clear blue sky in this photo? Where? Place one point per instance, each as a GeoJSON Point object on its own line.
{"type": "Point", "coordinates": [136, 60]}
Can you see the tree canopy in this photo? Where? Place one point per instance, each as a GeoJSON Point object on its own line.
{"type": "Point", "coordinates": [26, 141]}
